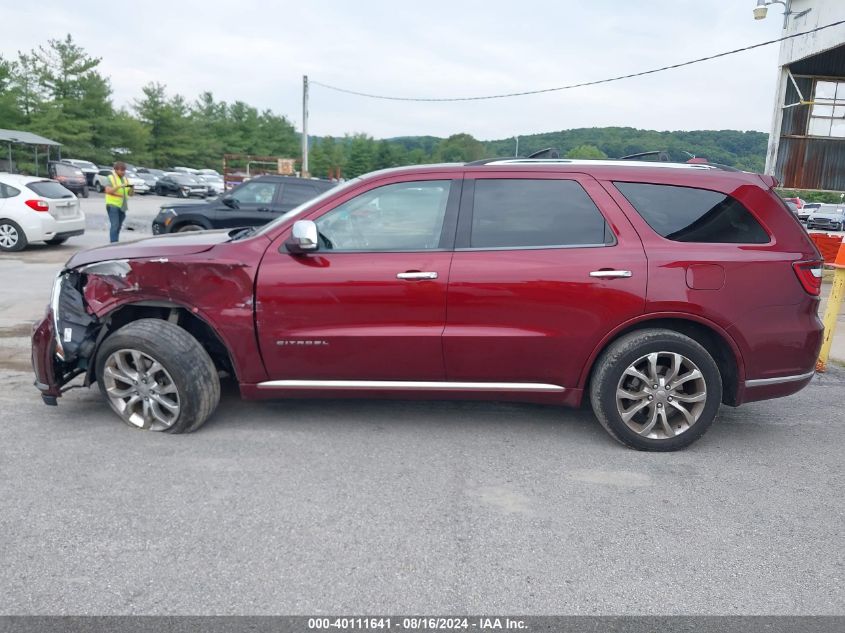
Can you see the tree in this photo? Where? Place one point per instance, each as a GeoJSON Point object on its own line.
{"type": "Point", "coordinates": [166, 124]}
{"type": "Point", "coordinates": [459, 148]}
{"type": "Point", "coordinates": [10, 114]}
{"type": "Point", "coordinates": [586, 151]}
{"type": "Point", "coordinates": [360, 153]}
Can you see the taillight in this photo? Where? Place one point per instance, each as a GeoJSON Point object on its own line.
{"type": "Point", "coordinates": [38, 205]}
{"type": "Point", "coordinates": [810, 275]}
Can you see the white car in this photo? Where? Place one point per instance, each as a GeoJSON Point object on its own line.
{"type": "Point", "coordinates": [101, 181]}
{"type": "Point", "coordinates": [214, 184]}
{"type": "Point", "coordinates": [36, 210]}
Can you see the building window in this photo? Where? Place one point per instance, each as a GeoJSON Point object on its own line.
{"type": "Point", "coordinates": [827, 114]}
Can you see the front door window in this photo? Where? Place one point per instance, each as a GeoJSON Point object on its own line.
{"type": "Point", "coordinates": [405, 216]}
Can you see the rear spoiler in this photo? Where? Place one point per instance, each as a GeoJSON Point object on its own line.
{"type": "Point", "coordinates": [770, 181]}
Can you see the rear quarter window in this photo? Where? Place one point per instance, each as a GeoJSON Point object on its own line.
{"type": "Point", "coordinates": [8, 191]}
{"type": "Point", "coordinates": [688, 214]}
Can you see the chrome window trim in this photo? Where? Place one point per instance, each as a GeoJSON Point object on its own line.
{"type": "Point", "coordinates": [761, 382]}
{"type": "Point", "coordinates": [534, 248]}
{"type": "Point", "coordinates": [412, 385]}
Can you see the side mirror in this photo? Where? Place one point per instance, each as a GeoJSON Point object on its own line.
{"type": "Point", "coordinates": [303, 237]}
{"type": "Point", "coordinates": [230, 201]}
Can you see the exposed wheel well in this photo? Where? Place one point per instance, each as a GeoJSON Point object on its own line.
{"type": "Point", "coordinates": [707, 337]}
{"type": "Point", "coordinates": [191, 323]}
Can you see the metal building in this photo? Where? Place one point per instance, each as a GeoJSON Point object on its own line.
{"type": "Point", "coordinates": [807, 141]}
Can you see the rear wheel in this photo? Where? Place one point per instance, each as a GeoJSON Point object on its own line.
{"type": "Point", "coordinates": [183, 193]}
{"type": "Point", "coordinates": [85, 191]}
{"type": "Point", "coordinates": [157, 377]}
{"type": "Point", "coordinates": [656, 390]}
{"type": "Point", "coordinates": [12, 237]}
{"type": "Point", "coordinates": [98, 187]}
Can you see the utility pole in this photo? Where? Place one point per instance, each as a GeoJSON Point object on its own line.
{"type": "Point", "coordinates": [516, 151]}
{"type": "Point", "coordinates": [305, 126]}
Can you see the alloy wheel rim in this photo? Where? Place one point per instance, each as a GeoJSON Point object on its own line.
{"type": "Point", "coordinates": [661, 395]}
{"type": "Point", "coordinates": [8, 236]}
{"type": "Point", "coordinates": [141, 390]}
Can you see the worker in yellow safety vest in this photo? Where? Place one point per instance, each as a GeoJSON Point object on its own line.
{"type": "Point", "coordinates": [117, 192]}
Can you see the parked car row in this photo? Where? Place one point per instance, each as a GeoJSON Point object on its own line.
{"type": "Point", "coordinates": [826, 217]}
{"type": "Point", "coordinates": [80, 175]}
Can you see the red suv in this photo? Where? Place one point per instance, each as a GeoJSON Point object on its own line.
{"type": "Point", "coordinates": [658, 291]}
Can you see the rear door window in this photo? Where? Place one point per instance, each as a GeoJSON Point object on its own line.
{"type": "Point", "coordinates": [524, 213]}
{"type": "Point", "coordinates": [688, 214]}
{"type": "Point", "coordinates": [49, 189]}
{"type": "Point", "coordinates": [294, 193]}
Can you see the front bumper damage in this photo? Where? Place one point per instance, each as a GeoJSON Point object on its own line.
{"type": "Point", "coordinates": [64, 341]}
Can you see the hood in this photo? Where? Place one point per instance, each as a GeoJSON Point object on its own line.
{"type": "Point", "coordinates": [830, 215]}
{"type": "Point", "coordinates": [190, 206]}
{"type": "Point", "coordinates": [171, 245]}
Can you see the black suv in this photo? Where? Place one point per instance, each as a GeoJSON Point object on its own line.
{"type": "Point", "coordinates": [252, 203]}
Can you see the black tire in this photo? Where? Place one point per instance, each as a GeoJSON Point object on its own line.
{"type": "Point", "coordinates": [187, 228]}
{"type": "Point", "coordinates": [619, 356]}
{"type": "Point", "coordinates": [98, 187]}
{"type": "Point", "coordinates": [181, 355]}
{"type": "Point", "coordinates": [85, 191]}
{"type": "Point", "coordinates": [160, 192]}
{"type": "Point", "coordinates": [184, 194]}
{"type": "Point", "coordinates": [12, 237]}
{"type": "Point", "coordinates": [56, 241]}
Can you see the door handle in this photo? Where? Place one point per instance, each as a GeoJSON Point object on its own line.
{"type": "Point", "coordinates": [611, 273]}
{"type": "Point", "coordinates": [416, 275]}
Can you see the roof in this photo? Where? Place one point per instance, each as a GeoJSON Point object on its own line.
{"type": "Point", "coordinates": [27, 138]}
{"type": "Point", "coordinates": [19, 178]}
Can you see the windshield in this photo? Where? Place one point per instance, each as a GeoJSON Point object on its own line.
{"type": "Point", "coordinates": [305, 206]}
{"type": "Point", "coordinates": [63, 169]}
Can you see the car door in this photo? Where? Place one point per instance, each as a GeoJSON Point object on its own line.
{"type": "Point", "coordinates": [370, 303]}
{"type": "Point", "coordinates": [249, 204]}
{"type": "Point", "coordinates": [545, 265]}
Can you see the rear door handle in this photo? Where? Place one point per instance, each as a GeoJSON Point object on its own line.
{"type": "Point", "coordinates": [611, 273]}
{"type": "Point", "coordinates": [417, 275]}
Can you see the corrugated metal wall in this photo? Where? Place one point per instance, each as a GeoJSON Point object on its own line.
{"type": "Point", "coordinates": [811, 163]}
{"type": "Point", "coordinates": [806, 162]}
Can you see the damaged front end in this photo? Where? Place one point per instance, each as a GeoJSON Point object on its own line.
{"type": "Point", "coordinates": [64, 342]}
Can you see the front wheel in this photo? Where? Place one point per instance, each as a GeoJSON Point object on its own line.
{"type": "Point", "coordinates": [56, 241]}
{"type": "Point", "coordinates": [187, 228]}
{"type": "Point", "coordinates": [656, 390]}
{"type": "Point", "coordinates": [157, 377]}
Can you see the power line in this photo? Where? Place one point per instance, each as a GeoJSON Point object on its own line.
{"type": "Point", "coordinates": [583, 84]}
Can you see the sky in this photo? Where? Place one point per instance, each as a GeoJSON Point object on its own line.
{"type": "Point", "coordinates": [258, 51]}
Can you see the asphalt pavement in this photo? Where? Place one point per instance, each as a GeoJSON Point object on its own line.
{"type": "Point", "coordinates": [333, 506]}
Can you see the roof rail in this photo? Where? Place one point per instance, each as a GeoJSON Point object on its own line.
{"type": "Point", "coordinates": [597, 162]}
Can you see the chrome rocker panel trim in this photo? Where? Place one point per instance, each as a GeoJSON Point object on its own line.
{"type": "Point", "coordinates": [761, 382]}
{"type": "Point", "coordinates": [410, 385]}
